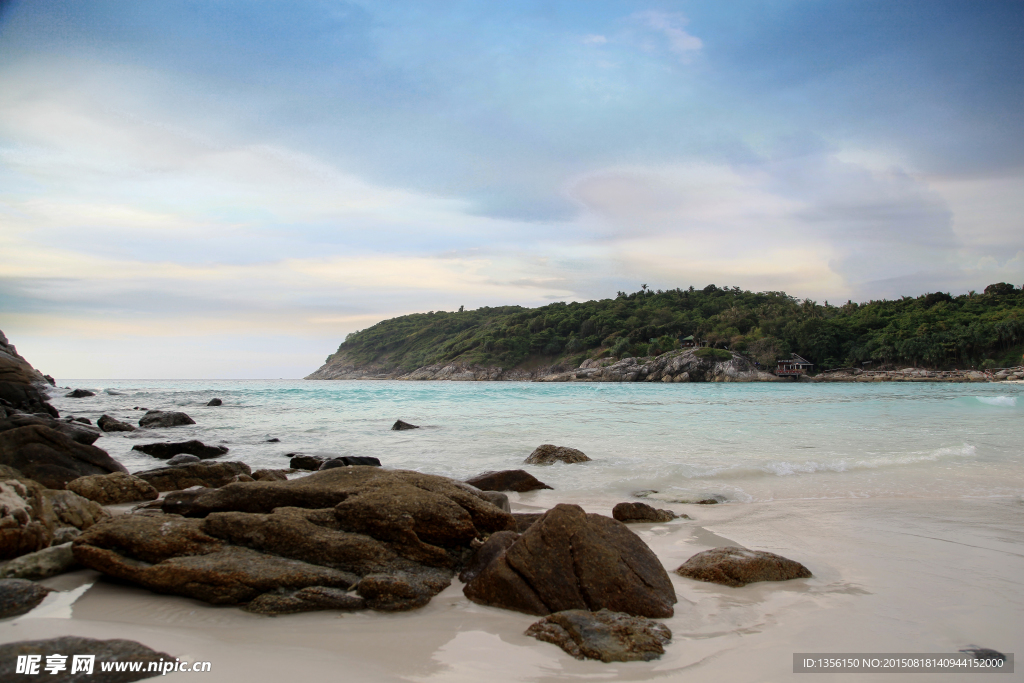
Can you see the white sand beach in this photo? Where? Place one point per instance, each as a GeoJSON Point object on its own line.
{"type": "Point", "coordinates": [890, 575]}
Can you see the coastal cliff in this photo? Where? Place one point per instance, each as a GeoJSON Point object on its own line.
{"type": "Point", "coordinates": [20, 383]}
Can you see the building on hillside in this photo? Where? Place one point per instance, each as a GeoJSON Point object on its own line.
{"type": "Point", "coordinates": [692, 342]}
{"type": "Point", "coordinates": [793, 367]}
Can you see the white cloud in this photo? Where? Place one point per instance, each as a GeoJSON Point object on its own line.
{"type": "Point", "coordinates": [671, 26]}
{"type": "Point", "coordinates": [594, 39]}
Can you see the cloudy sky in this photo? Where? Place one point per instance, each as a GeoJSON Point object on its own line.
{"type": "Point", "coordinates": [226, 188]}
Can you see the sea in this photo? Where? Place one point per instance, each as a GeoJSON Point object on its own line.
{"type": "Point", "coordinates": [738, 443]}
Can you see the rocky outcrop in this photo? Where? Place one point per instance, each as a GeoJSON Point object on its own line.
{"type": "Point", "coordinates": [42, 564]}
{"type": "Point", "coordinates": [206, 474]}
{"type": "Point", "coordinates": [604, 635]}
{"type": "Point", "coordinates": [74, 429]}
{"type": "Point", "coordinates": [739, 566]}
{"type": "Point", "coordinates": [914, 375]}
{"type": "Point", "coordinates": [113, 489]}
{"type": "Point", "coordinates": [340, 366]}
{"type": "Point", "coordinates": [401, 425]}
{"type": "Point", "coordinates": [104, 651]}
{"type": "Point", "coordinates": [52, 458]}
{"type": "Point", "coordinates": [573, 560]}
{"type": "Point", "coordinates": [641, 512]}
{"type": "Point", "coordinates": [32, 516]}
{"type": "Point", "coordinates": [547, 454]}
{"type": "Point", "coordinates": [686, 365]}
{"type": "Point", "coordinates": [394, 537]}
{"type": "Point", "coordinates": [167, 450]}
{"type": "Point", "coordinates": [159, 418]}
{"type": "Point", "coordinates": [520, 481]}
{"type": "Point", "coordinates": [109, 424]}
{"type": "Point", "coordinates": [21, 385]}
{"type": "Point", "coordinates": [18, 596]}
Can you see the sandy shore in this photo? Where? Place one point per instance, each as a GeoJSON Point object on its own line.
{"type": "Point", "coordinates": [890, 575]}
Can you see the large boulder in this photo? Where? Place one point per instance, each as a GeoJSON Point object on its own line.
{"type": "Point", "coordinates": [604, 635]}
{"type": "Point", "coordinates": [547, 454]}
{"type": "Point", "coordinates": [573, 560]}
{"type": "Point", "coordinates": [740, 566]}
{"type": "Point", "coordinates": [32, 515]}
{"type": "Point", "coordinates": [396, 537]}
{"type": "Point", "coordinates": [167, 450]}
{"type": "Point", "coordinates": [208, 474]}
{"type": "Point", "coordinates": [73, 429]}
{"type": "Point", "coordinates": [42, 564]}
{"type": "Point", "coordinates": [520, 481]}
{"type": "Point", "coordinates": [110, 424]}
{"type": "Point", "coordinates": [641, 512]}
{"type": "Point", "coordinates": [161, 418]}
{"type": "Point", "coordinates": [50, 457]}
{"type": "Point", "coordinates": [80, 393]}
{"type": "Point", "coordinates": [301, 461]}
{"type": "Point", "coordinates": [18, 596]}
{"type": "Point", "coordinates": [105, 651]}
{"type": "Point", "coordinates": [113, 489]}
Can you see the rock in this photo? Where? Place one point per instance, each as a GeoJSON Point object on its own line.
{"type": "Point", "coordinates": [241, 478]}
{"type": "Point", "coordinates": [604, 635]}
{"type": "Point", "coordinates": [160, 418]}
{"type": "Point", "coordinates": [41, 564]}
{"type": "Point", "coordinates": [18, 596]}
{"type": "Point", "coordinates": [569, 559]}
{"type": "Point", "coordinates": [497, 499]}
{"type": "Point", "coordinates": [507, 480]}
{"type": "Point", "coordinates": [739, 566]}
{"type": "Point", "coordinates": [173, 555]}
{"type": "Point", "coordinates": [18, 382]}
{"type": "Point", "coordinates": [301, 461]}
{"type": "Point", "coordinates": [273, 440]}
{"type": "Point", "coordinates": [168, 450]}
{"type": "Point", "coordinates": [402, 590]}
{"type": "Point", "coordinates": [641, 512]}
{"type": "Point", "coordinates": [83, 420]}
{"type": "Point", "coordinates": [76, 431]}
{"type": "Point", "coordinates": [270, 475]}
{"type": "Point", "coordinates": [309, 599]}
{"type": "Point", "coordinates": [182, 459]}
{"type": "Point", "coordinates": [208, 474]}
{"type": "Point", "coordinates": [65, 534]}
{"type": "Point", "coordinates": [79, 393]}
{"type": "Point", "coordinates": [215, 402]}
{"type": "Point", "coordinates": [400, 425]}
{"type": "Point", "coordinates": [109, 424]}
{"type": "Point", "coordinates": [494, 546]}
{"type": "Point", "coordinates": [524, 520]}
{"type": "Point", "coordinates": [548, 455]}
{"type": "Point", "coordinates": [104, 651]}
{"type": "Point", "coordinates": [113, 489]}
{"type": "Point", "coordinates": [31, 514]}
{"type": "Point", "coordinates": [52, 458]}
{"type": "Point", "coordinates": [350, 461]}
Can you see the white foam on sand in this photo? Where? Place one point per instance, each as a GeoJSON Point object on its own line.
{"type": "Point", "coordinates": [890, 575]}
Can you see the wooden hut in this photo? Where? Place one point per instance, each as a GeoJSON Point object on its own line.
{"type": "Point", "coordinates": [793, 366]}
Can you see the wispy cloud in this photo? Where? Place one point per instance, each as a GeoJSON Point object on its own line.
{"type": "Point", "coordinates": [672, 26]}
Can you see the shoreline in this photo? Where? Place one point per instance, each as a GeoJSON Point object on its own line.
{"type": "Point", "coordinates": [890, 574]}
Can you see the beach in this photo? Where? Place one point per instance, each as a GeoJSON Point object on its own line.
{"type": "Point", "coordinates": [904, 501]}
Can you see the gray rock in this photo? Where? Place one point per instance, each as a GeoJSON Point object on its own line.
{"type": "Point", "coordinates": [41, 564]}
{"type": "Point", "coordinates": [65, 534]}
{"type": "Point", "coordinates": [104, 650]}
{"type": "Point", "coordinates": [604, 635]}
{"type": "Point", "coordinates": [161, 418]}
{"type": "Point", "coordinates": [109, 424]}
{"type": "Point", "coordinates": [547, 454]}
{"type": "Point", "coordinates": [18, 596]}
{"type": "Point", "coordinates": [401, 426]}
{"type": "Point", "coordinates": [168, 450]}
{"type": "Point", "coordinates": [183, 459]}
{"type": "Point", "coordinates": [739, 566]}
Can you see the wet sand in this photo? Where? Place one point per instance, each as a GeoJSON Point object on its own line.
{"type": "Point", "coordinates": [890, 575]}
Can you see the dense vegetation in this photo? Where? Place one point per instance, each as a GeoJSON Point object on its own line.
{"type": "Point", "coordinates": [933, 330]}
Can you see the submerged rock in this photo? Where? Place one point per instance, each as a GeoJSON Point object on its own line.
{"type": "Point", "coordinates": [168, 450]}
{"type": "Point", "coordinates": [103, 650]}
{"type": "Point", "coordinates": [400, 426]}
{"type": "Point", "coordinates": [109, 424]}
{"type": "Point", "coordinates": [739, 566]}
{"type": "Point", "coordinates": [161, 418]}
{"type": "Point", "coordinates": [215, 402]}
{"type": "Point", "coordinates": [18, 596]}
{"type": "Point", "coordinates": [641, 512]}
{"type": "Point", "coordinates": [520, 481]}
{"type": "Point", "coordinates": [569, 559]}
{"type": "Point", "coordinates": [604, 635]}
{"type": "Point", "coordinates": [548, 455]}
{"type": "Point", "coordinates": [113, 489]}
{"type": "Point", "coordinates": [79, 393]}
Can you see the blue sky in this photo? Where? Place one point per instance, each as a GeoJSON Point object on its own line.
{"type": "Point", "coordinates": [226, 189]}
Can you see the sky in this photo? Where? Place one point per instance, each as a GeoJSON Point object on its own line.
{"type": "Point", "coordinates": [225, 189]}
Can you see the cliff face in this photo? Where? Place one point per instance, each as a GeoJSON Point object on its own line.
{"type": "Point", "coordinates": [674, 366]}
{"type": "Point", "coordinates": [19, 381]}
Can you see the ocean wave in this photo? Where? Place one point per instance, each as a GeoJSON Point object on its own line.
{"type": "Point", "coordinates": [1006, 401]}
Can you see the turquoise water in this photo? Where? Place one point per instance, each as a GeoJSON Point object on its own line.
{"type": "Point", "coordinates": [746, 442]}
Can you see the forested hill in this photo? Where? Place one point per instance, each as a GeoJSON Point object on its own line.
{"type": "Point", "coordinates": [934, 330]}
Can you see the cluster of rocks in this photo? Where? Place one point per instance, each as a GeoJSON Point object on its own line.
{"type": "Point", "coordinates": [903, 375]}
